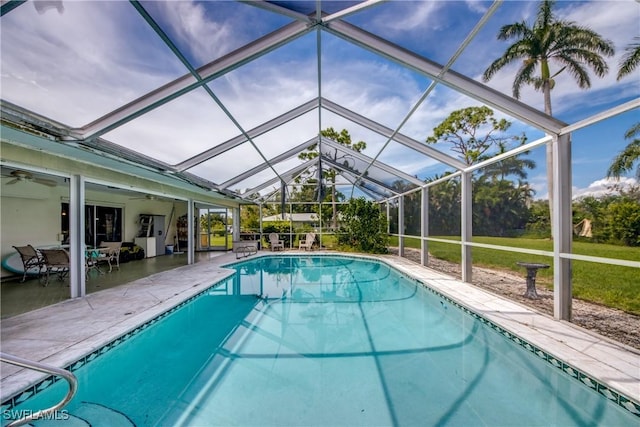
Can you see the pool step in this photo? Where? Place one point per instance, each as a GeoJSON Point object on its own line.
{"type": "Point", "coordinates": [88, 414]}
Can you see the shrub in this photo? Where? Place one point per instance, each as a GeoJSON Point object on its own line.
{"type": "Point", "coordinates": [624, 221]}
{"type": "Point", "coordinates": [364, 227]}
{"type": "Point", "coordinates": [280, 227]}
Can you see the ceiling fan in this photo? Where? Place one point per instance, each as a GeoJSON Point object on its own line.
{"type": "Point", "coordinates": [24, 176]}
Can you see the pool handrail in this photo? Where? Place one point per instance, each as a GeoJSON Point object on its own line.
{"type": "Point", "coordinates": [47, 369]}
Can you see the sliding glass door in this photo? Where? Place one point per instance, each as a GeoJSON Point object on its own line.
{"type": "Point", "coordinates": [102, 224]}
{"type": "Point", "coordinates": [212, 230]}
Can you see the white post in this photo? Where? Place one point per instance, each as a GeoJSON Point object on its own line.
{"type": "Point", "coordinates": [191, 231]}
{"type": "Point", "coordinates": [562, 227]}
{"type": "Point", "coordinates": [77, 277]}
{"type": "Point", "coordinates": [388, 217]}
{"type": "Point", "coordinates": [321, 225]}
{"type": "Point", "coordinates": [401, 226]}
{"type": "Point", "coordinates": [466, 219]}
{"type": "Point", "coordinates": [260, 227]}
{"type": "Point", "coordinates": [235, 234]}
{"type": "Point", "coordinates": [424, 227]}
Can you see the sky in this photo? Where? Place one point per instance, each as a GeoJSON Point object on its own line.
{"type": "Point", "coordinates": [75, 61]}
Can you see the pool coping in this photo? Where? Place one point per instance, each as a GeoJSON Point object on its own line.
{"type": "Point", "coordinates": [104, 317]}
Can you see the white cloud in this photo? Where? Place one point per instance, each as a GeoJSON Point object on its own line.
{"type": "Point", "coordinates": [477, 6]}
{"type": "Point", "coordinates": [82, 58]}
{"type": "Point", "coordinates": [605, 186]}
{"type": "Point", "coordinates": [418, 14]}
{"type": "Point", "coordinates": [206, 38]}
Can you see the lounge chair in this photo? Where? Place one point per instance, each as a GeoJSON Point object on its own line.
{"type": "Point", "coordinates": [275, 242]}
{"type": "Point", "coordinates": [307, 242]}
{"type": "Point", "coordinates": [109, 252]}
{"type": "Point", "coordinates": [56, 261]}
{"type": "Point", "coordinates": [31, 260]}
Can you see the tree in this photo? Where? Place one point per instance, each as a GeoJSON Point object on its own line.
{"type": "Point", "coordinates": [364, 227]}
{"type": "Point", "coordinates": [344, 138]}
{"type": "Point", "coordinates": [624, 161]}
{"type": "Point", "coordinates": [249, 218]}
{"type": "Point", "coordinates": [624, 221]}
{"type": "Point", "coordinates": [472, 132]}
{"type": "Point", "coordinates": [500, 208]}
{"type": "Point", "coordinates": [514, 166]}
{"type": "Point", "coordinates": [412, 208]}
{"type": "Point", "coordinates": [573, 47]}
{"type": "Point", "coordinates": [499, 205]}
{"type": "Point", "coordinates": [444, 207]}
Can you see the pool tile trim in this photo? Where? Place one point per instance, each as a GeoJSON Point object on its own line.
{"type": "Point", "coordinates": [31, 391]}
{"type": "Point", "coordinates": [583, 378]}
{"type": "Point", "coordinates": [611, 394]}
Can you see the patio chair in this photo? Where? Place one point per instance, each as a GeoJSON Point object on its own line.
{"type": "Point", "coordinates": [31, 260]}
{"type": "Point", "coordinates": [91, 261]}
{"type": "Point", "coordinates": [275, 242]}
{"type": "Point", "coordinates": [307, 242]}
{"type": "Point", "coordinates": [110, 253]}
{"type": "Point", "coordinates": [56, 261]}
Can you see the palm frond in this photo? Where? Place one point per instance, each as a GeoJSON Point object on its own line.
{"type": "Point", "coordinates": [523, 76]}
{"type": "Point", "coordinates": [630, 60]}
{"type": "Point", "coordinates": [624, 161]}
{"type": "Point", "coordinates": [632, 131]}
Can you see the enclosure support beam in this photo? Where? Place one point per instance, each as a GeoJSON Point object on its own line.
{"type": "Point", "coordinates": [190, 229]}
{"type": "Point", "coordinates": [466, 216]}
{"type": "Point", "coordinates": [562, 227]}
{"type": "Point", "coordinates": [77, 277]}
{"type": "Point", "coordinates": [450, 78]}
{"type": "Point", "coordinates": [260, 213]}
{"type": "Point", "coordinates": [388, 217]}
{"type": "Point", "coordinates": [188, 82]}
{"type": "Point", "coordinates": [424, 227]}
{"type": "Point", "coordinates": [235, 233]}
{"type": "Point", "coordinates": [401, 226]}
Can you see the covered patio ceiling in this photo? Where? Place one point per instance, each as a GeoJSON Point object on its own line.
{"type": "Point", "coordinates": [227, 94]}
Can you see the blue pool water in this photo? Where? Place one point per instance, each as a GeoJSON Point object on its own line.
{"type": "Point", "coordinates": [325, 341]}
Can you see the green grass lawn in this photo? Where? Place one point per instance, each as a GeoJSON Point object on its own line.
{"type": "Point", "coordinates": [611, 285]}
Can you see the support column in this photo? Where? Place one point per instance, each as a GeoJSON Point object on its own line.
{"type": "Point", "coordinates": [260, 229]}
{"type": "Point", "coordinates": [77, 276]}
{"type": "Point", "coordinates": [424, 227]}
{"type": "Point", "coordinates": [321, 225]}
{"type": "Point", "coordinates": [388, 217]}
{"type": "Point", "coordinates": [191, 232]}
{"type": "Point", "coordinates": [562, 227]}
{"type": "Point", "coordinates": [401, 226]}
{"type": "Point", "coordinates": [466, 219]}
{"type": "Point", "coordinates": [235, 234]}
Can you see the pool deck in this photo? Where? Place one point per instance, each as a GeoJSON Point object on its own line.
{"type": "Point", "coordinates": [65, 332]}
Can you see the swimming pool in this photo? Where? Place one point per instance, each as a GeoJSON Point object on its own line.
{"type": "Point", "coordinates": [331, 341]}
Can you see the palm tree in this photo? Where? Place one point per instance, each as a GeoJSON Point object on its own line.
{"type": "Point", "coordinates": [512, 166]}
{"type": "Point", "coordinates": [624, 161]}
{"type": "Point", "coordinates": [551, 40]}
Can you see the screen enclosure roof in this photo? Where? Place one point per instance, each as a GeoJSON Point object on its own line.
{"type": "Point", "coordinates": [228, 94]}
